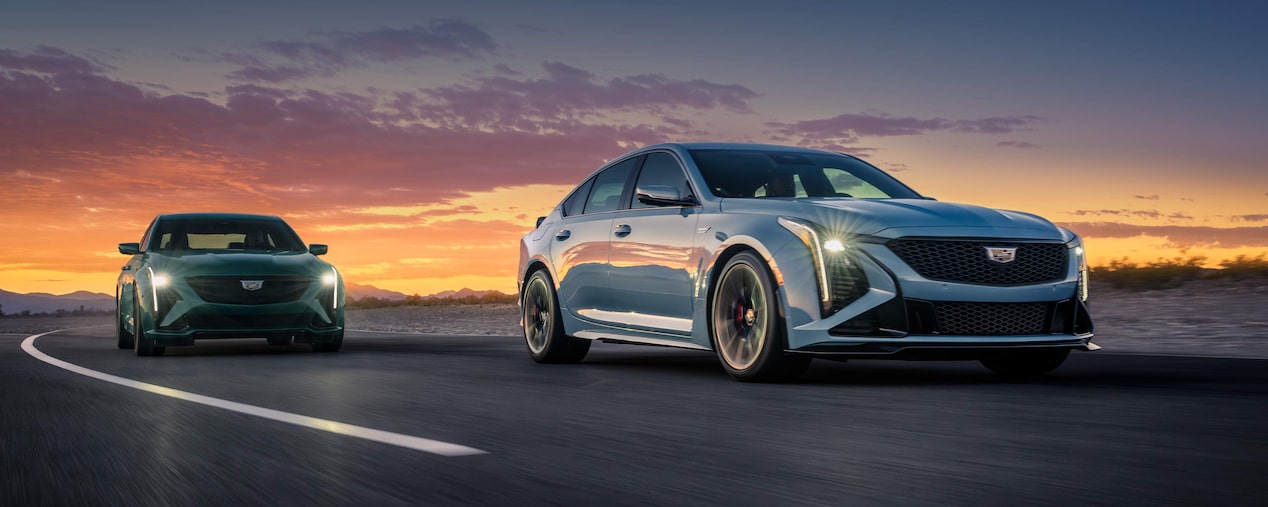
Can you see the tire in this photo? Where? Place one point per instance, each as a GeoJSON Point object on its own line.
{"type": "Point", "coordinates": [121, 333]}
{"type": "Point", "coordinates": [544, 326]}
{"type": "Point", "coordinates": [144, 345]}
{"type": "Point", "coordinates": [745, 327]}
{"type": "Point", "coordinates": [330, 346]}
{"type": "Point", "coordinates": [1025, 363]}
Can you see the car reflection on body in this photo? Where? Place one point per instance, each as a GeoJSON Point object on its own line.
{"type": "Point", "coordinates": [773, 255]}
{"type": "Point", "coordinates": [222, 275]}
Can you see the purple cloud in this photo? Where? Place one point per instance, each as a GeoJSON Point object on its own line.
{"type": "Point", "coordinates": [47, 60]}
{"type": "Point", "coordinates": [1153, 197]}
{"type": "Point", "coordinates": [1251, 218]}
{"type": "Point", "coordinates": [996, 125]}
{"type": "Point", "coordinates": [1152, 213]}
{"type": "Point", "coordinates": [1017, 144]}
{"type": "Point", "coordinates": [846, 129]}
{"type": "Point", "coordinates": [566, 92]}
{"type": "Point", "coordinates": [271, 73]}
{"type": "Point", "coordinates": [1178, 235]}
{"type": "Point", "coordinates": [448, 39]}
{"type": "Point", "coordinates": [73, 133]}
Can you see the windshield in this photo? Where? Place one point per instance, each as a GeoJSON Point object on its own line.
{"type": "Point", "coordinates": [231, 234]}
{"type": "Point", "coordinates": [758, 173]}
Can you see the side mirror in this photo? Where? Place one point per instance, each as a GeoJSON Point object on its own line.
{"type": "Point", "coordinates": [539, 222]}
{"type": "Point", "coordinates": [318, 249]}
{"type": "Point", "coordinates": [662, 195]}
{"type": "Point", "coordinates": [129, 248]}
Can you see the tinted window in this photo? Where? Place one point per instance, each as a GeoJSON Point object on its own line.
{"type": "Point", "coordinates": [661, 169]}
{"type": "Point", "coordinates": [609, 186]}
{"type": "Point", "coordinates": [760, 173]}
{"type": "Point", "coordinates": [572, 203]}
{"type": "Point", "coordinates": [228, 234]}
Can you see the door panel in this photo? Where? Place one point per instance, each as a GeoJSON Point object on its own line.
{"type": "Point", "coordinates": [579, 244]}
{"type": "Point", "coordinates": [652, 261]}
{"type": "Point", "coordinates": [579, 252]}
{"type": "Point", "coordinates": [654, 266]}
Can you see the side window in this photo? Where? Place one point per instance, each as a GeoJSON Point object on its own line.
{"type": "Point", "coordinates": [572, 203]}
{"type": "Point", "coordinates": [661, 169]}
{"type": "Point", "coordinates": [609, 186]}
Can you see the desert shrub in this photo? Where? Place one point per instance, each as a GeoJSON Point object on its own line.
{"type": "Point", "coordinates": [1159, 274]}
{"type": "Point", "coordinates": [416, 300]}
{"type": "Point", "coordinates": [1245, 266]}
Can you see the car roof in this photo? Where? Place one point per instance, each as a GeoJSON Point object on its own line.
{"type": "Point", "coordinates": [735, 146]}
{"type": "Point", "coordinates": [218, 216]}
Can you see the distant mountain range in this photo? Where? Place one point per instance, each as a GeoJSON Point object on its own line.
{"type": "Point", "coordinates": [358, 291]}
{"type": "Point", "coordinates": [37, 302]}
{"type": "Point", "coordinates": [40, 302]}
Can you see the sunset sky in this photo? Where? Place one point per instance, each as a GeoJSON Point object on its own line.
{"type": "Point", "coordinates": [420, 139]}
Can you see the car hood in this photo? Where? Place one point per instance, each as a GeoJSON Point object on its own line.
{"type": "Point", "coordinates": [906, 217]}
{"type": "Point", "coordinates": [238, 264]}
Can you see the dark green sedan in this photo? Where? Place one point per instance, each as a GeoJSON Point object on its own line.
{"type": "Point", "coordinates": [225, 275]}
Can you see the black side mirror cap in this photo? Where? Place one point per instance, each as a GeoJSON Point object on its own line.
{"type": "Point", "coordinates": [318, 249]}
{"type": "Point", "coordinates": [129, 248]}
{"type": "Point", "coordinates": [539, 222]}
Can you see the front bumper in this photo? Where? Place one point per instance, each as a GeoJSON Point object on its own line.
{"type": "Point", "coordinates": [902, 315]}
{"type": "Point", "coordinates": [304, 321]}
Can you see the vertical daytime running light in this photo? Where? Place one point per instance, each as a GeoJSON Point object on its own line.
{"type": "Point", "coordinates": [153, 288]}
{"type": "Point", "coordinates": [335, 304]}
{"type": "Point", "coordinates": [807, 234]}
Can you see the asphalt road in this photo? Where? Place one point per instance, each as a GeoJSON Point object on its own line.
{"type": "Point", "coordinates": [630, 425]}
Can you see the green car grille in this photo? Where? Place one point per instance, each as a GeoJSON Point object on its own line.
{"type": "Point", "coordinates": [242, 290]}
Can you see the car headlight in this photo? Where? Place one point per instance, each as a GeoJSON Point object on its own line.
{"type": "Point", "coordinates": [331, 279]}
{"type": "Point", "coordinates": [157, 281]}
{"type": "Point", "coordinates": [1080, 258]}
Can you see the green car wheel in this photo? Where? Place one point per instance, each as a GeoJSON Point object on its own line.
{"type": "Point", "coordinates": [144, 345]}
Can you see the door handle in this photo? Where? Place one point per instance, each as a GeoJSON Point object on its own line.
{"type": "Point", "coordinates": [622, 231]}
{"type": "Point", "coordinates": [562, 235]}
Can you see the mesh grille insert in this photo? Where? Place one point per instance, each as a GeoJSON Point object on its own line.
{"type": "Point", "coordinates": [968, 262]}
{"type": "Point", "coordinates": [959, 318]}
{"type": "Point", "coordinates": [229, 289]}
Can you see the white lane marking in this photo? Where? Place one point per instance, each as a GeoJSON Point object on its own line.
{"type": "Point", "coordinates": [351, 430]}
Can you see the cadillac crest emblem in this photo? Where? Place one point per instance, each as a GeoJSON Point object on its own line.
{"type": "Point", "coordinates": [1001, 254]}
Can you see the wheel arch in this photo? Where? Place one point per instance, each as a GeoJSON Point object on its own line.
{"type": "Point", "coordinates": [535, 264]}
{"type": "Point", "coordinates": [714, 271]}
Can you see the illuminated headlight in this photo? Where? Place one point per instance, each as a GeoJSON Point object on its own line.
{"type": "Point", "coordinates": [331, 279]}
{"type": "Point", "coordinates": [160, 281]}
{"type": "Point", "coordinates": [834, 245]}
{"type": "Point", "coordinates": [1080, 259]}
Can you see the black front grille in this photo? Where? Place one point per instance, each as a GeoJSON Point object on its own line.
{"type": "Point", "coordinates": [961, 318]}
{"type": "Point", "coordinates": [848, 283]}
{"type": "Point", "coordinates": [230, 289]}
{"type": "Point", "coordinates": [968, 261]}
